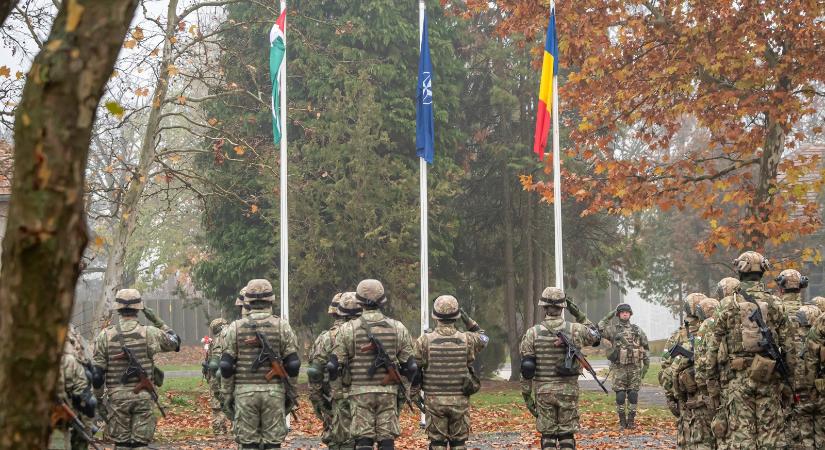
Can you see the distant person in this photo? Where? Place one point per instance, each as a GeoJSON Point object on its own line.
{"type": "Point", "coordinates": [629, 361]}
{"type": "Point", "coordinates": [550, 381]}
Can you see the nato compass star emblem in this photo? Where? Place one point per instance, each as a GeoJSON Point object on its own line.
{"type": "Point", "coordinates": [427, 89]}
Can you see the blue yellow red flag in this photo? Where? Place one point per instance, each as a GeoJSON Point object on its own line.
{"type": "Point", "coordinates": [550, 69]}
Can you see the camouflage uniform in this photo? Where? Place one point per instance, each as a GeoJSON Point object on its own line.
{"type": "Point", "coordinates": [445, 356]}
{"type": "Point", "coordinates": [805, 413]}
{"type": "Point", "coordinates": [753, 393]}
{"type": "Point", "coordinates": [74, 389]}
{"type": "Point", "coordinates": [131, 419]}
{"type": "Point", "coordinates": [260, 405]}
{"type": "Point", "coordinates": [214, 350]}
{"type": "Point", "coordinates": [814, 382]}
{"type": "Point", "coordinates": [629, 361]}
{"type": "Point", "coordinates": [329, 400]}
{"type": "Point", "coordinates": [373, 404]}
{"type": "Point", "coordinates": [819, 302]}
{"type": "Point", "coordinates": [789, 282]}
{"type": "Point", "coordinates": [551, 390]}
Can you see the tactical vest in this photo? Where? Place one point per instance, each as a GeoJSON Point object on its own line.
{"type": "Point", "coordinates": [117, 362]}
{"type": "Point", "coordinates": [446, 364]}
{"type": "Point", "coordinates": [745, 342]}
{"type": "Point", "coordinates": [360, 364]}
{"type": "Point", "coordinates": [628, 345]}
{"type": "Point", "coordinates": [550, 352]}
{"type": "Point", "coordinates": [249, 349]}
{"type": "Point", "coordinates": [791, 302]}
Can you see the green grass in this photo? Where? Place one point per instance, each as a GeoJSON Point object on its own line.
{"type": "Point", "coordinates": [185, 385]}
{"type": "Point", "coordinates": [652, 376]}
{"type": "Point", "coordinates": [179, 367]}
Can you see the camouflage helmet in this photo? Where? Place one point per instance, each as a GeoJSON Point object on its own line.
{"type": "Point", "coordinates": [791, 279]}
{"type": "Point", "coordinates": [333, 305]}
{"type": "Point", "coordinates": [707, 307]}
{"type": "Point", "coordinates": [726, 286]}
{"type": "Point", "coordinates": [624, 307]}
{"type": "Point", "coordinates": [445, 307]}
{"type": "Point", "coordinates": [128, 299]}
{"type": "Point", "coordinates": [217, 324]}
{"type": "Point", "coordinates": [259, 290]}
{"type": "Point", "coordinates": [751, 262]}
{"type": "Point", "coordinates": [349, 306]}
{"type": "Point", "coordinates": [691, 304]}
{"type": "Point", "coordinates": [819, 302]}
{"type": "Point", "coordinates": [370, 293]}
{"type": "Point", "coordinates": [553, 296]}
{"type": "Point", "coordinates": [807, 315]}
{"type": "Point", "coordinates": [241, 300]}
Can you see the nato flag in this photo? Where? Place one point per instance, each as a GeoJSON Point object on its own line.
{"type": "Point", "coordinates": [424, 101]}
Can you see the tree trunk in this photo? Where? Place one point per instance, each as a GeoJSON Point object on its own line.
{"type": "Point", "coordinates": [510, 280]}
{"type": "Point", "coordinates": [46, 231]}
{"type": "Point", "coordinates": [5, 9]}
{"type": "Point", "coordinates": [115, 261]}
{"type": "Point", "coordinates": [530, 295]}
{"type": "Point", "coordinates": [768, 170]}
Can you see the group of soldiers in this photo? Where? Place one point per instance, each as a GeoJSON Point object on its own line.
{"type": "Point", "coordinates": [747, 369]}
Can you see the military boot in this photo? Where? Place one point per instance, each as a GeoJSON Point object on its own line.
{"type": "Point", "coordinates": [549, 441]}
{"type": "Point", "coordinates": [622, 418]}
{"type": "Point", "coordinates": [631, 418]}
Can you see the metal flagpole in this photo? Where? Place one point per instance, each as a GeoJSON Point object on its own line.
{"type": "Point", "coordinates": [425, 287]}
{"type": "Point", "coordinates": [559, 258]}
{"type": "Point", "coordinates": [283, 190]}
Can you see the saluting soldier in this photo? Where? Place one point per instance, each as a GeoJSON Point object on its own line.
{"type": "Point", "coordinates": [550, 388]}
{"type": "Point", "coordinates": [131, 418]}
{"type": "Point", "coordinates": [445, 356]}
{"type": "Point", "coordinates": [372, 395]}
{"type": "Point", "coordinates": [259, 399]}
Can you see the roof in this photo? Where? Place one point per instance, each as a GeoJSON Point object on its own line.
{"type": "Point", "coordinates": [6, 155]}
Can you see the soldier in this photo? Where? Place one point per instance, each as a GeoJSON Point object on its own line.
{"type": "Point", "coordinates": [74, 393]}
{"type": "Point", "coordinates": [753, 392]}
{"type": "Point", "coordinates": [240, 304]}
{"type": "Point", "coordinates": [259, 395]}
{"type": "Point", "coordinates": [629, 361]}
{"type": "Point", "coordinates": [790, 284]}
{"type": "Point", "coordinates": [806, 411]}
{"type": "Point", "coordinates": [445, 356]}
{"type": "Point", "coordinates": [372, 397]}
{"type": "Point", "coordinates": [549, 384]}
{"type": "Point", "coordinates": [819, 302]}
{"type": "Point", "coordinates": [214, 351]}
{"type": "Point", "coordinates": [119, 350]}
{"type": "Point", "coordinates": [322, 394]}
{"type": "Point", "coordinates": [814, 361]}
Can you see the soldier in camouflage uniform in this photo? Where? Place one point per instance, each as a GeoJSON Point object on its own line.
{"type": "Point", "coordinates": [753, 392]}
{"type": "Point", "coordinates": [240, 304]}
{"type": "Point", "coordinates": [814, 361]}
{"type": "Point", "coordinates": [131, 418]}
{"type": "Point", "coordinates": [372, 400]}
{"type": "Point", "coordinates": [550, 390]}
{"type": "Point", "coordinates": [328, 397]}
{"type": "Point", "coordinates": [806, 412]}
{"type": "Point", "coordinates": [445, 356]}
{"type": "Point", "coordinates": [819, 302]}
{"type": "Point", "coordinates": [790, 283]}
{"type": "Point", "coordinates": [214, 351]}
{"type": "Point", "coordinates": [629, 361]}
{"type": "Point", "coordinates": [260, 405]}
{"type": "Point", "coordinates": [74, 389]}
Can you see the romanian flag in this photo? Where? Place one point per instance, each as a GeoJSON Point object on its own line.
{"type": "Point", "coordinates": [550, 69]}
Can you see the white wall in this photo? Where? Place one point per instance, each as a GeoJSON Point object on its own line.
{"type": "Point", "coordinates": [656, 321]}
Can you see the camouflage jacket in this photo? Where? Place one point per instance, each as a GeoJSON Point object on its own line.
{"type": "Point", "coordinates": [72, 380]}
{"type": "Point", "coordinates": [287, 345]}
{"type": "Point", "coordinates": [346, 350]}
{"type": "Point", "coordinates": [813, 358]}
{"type": "Point", "coordinates": [475, 342]}
{"type": "Point", "coordinates": [581, 335]}
{"type": "Point", "coordinates": [729, 328]}
{"type": "Point", "coordinates": [318, 358]}
{"type": "Point", "coordinates": [213, 357]}
{"type": "Point", "coordinates": [625, 337]}
{"type": "Point", "coordinates": [705, 362]}
{"type": "Point", "coordinates": [157, 341]}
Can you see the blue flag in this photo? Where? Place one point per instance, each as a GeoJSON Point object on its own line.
{"type": "Point", "coordinates": [424, 101]}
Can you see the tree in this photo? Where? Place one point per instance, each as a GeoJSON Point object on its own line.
{"type": "Point", "coordinates": [747, 73]}
{"type": "Point", "coordinates": [46, 230]}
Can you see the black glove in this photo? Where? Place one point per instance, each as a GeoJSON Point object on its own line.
{"type": "Point", "coordinates": [673, 406]}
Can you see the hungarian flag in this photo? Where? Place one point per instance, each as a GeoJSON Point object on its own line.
{"type": "Point", "coordinates": [277, 50]}
{"type": "Point", "coordinates": [550, 69]}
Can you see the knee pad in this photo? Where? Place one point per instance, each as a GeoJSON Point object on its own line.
{"type": "Point", "coordinates": [437, 444]}
{"type": "Point", "coordinates": [548, 441]}
{"type": "Point", "coordinates": [620, 397]}
{"type": "Point", "coordinates": [227, 365]}
{"type": "Point", "coordinates": [633, 397]}
{"type": "Point", "coordinates": [364, 444]}
{"type": "Point", "coordinates": [528, 367]}
{"type": "Point", "coordinates": [386, 444]}
{"type": "Point", "coordinates": [98, 376]}
{"type": "Point", "coordinates": [292, 364]}
{"type": "Point", "coordinates": [267, 446]}
{"type": "Point", "coordinates": [457, 444]}
{"type": "Point", "coordinates": [255, 446]}
{"type": "Point", "coordinates": [567, 441]}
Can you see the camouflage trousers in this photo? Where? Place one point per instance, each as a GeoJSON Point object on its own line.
{"type": "Point", "coordinates": [218, 416]}
{"type": "Point", "coordinates": [807, 428]}
{"type": "Point", "coordinates": [131, 419]}
{"type": "Point", "coordinates": [67, 439]}
{"type": "Point", "coordinates": [374, 415]}
{"type": "Point", "coordinates": [337, 436]}
{"type": "Point", "coordinates": [626, 377]}
{"type": "Point", "coordinates": [260, 415]}
{"type": "Point", "coordinates": [557, 404]}
{"type": "Point", "coordinates": [448, 421]}
{"type": "Point", "coordinates": [754, 413]}
{"type": "Point", "coordinates": [693, 426]}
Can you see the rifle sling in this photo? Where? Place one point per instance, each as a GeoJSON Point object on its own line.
{"type": "Point", "coordinates": [125, 353]}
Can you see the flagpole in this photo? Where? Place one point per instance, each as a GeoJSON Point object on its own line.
{"type": "Point", "coordinates": [283, 191]}
{"type": "Point", "coordinates": [422, 164]}
{"type": "Point", "coordinates": [559, 258]}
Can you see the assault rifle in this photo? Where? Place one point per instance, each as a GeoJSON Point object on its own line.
{"type": "Point", "coordinates": [382, 359]}
{"type": "Point", "coordinates": [63, 413]}
{"type": "Point", "coordinates": [276, 367]}
{"type": "Point", "coordinates": [678, 350]}
{"type": "Point", "coordinates": [575, 352]}
{"type": "Point", "coordinates": [419, 403]}
{"type": "Point", "coordinates": [134, 369]}
{"type": "Point", "coordinates": [768, 345]}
